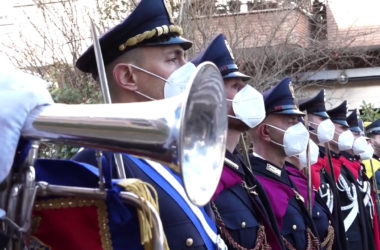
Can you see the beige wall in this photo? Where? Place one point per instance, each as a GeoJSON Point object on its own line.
{"type": "Point", "coordinates": [354, 92]}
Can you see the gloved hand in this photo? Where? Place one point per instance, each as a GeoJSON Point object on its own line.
{"type": "Point", "coordinates": [21, 95]}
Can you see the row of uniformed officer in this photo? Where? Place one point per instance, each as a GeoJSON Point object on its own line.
{"type": "Point", "coordinates": [338, 174]}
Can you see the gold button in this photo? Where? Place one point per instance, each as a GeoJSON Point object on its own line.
{"type": "Point", "coordinates": [189, 242]}
{"type": "Point", "coordinates": [294, 227]}
{"type": "Point", "coordinates": [318, 214]}
{"type": "Point", "coordinates": [243, 224]}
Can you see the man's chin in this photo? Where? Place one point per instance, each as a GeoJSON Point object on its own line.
{"type": "Point", "coordinates": [237, 125]}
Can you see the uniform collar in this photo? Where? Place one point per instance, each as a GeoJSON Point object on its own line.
{"type": "Point", "coordinates": [267, 169]}
{"type": "Point", "coordinates": [235, 157]}
{"type": "Point", "coordinates": [335, 155]}
{"type": "Point", "coordinates": [322, 151]}
{"type": "Point", "coordinates": [258, 156]}
{"type": "Point", "coordinates": [376, 157]}
{"type": "Point", "coordinates": [292, 170]}
{"type": "Point", "coordinates": [348, 156]}
{"type": "Point", "coordinates": [290, 165]}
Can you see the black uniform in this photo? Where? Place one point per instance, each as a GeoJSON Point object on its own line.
{"type": "Point", "coordinates": [321, 215]}
{"type": "Point", "coordinates": [241, 208]}
{"type": "Point", "coordinates": [296, 226]}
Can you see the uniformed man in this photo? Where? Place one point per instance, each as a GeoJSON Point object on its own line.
{"type": "Point", "coordinates": [281, 135]}
{"type": "Point", "coordinates": [321, 131]}
{"type": "Point", "coordinates": [348, 191]}
{"type": "Point", "coordinates": [320, 213]}
{"type": "Point", "coordinates": [371, 162]}
{"type": "Point", "coordinates": [240, 203]}
{"type": "Point", "coordinates": [373, 133]}
{"type": "Point", "coordinates": [351, 159]}
{"type": "Point", "coordinates": [139, 55]}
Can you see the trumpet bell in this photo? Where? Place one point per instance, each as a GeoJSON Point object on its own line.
{"type": "Point", "coordinates": [186, 132]}
{"type": "Point", "coordinates": [204, 133]}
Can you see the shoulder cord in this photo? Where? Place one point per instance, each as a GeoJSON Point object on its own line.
{"type": "Point", "coordinates": [287, 244]}
{"type": "Point", "coordinates": [327, 197]}
{"type": "Point", "coordinates": [312, 241]}
{"type": "Point", "coordinates": [331, 189]}
{"type": "Point", "coordinates": [365, 190]}
{"type": "Point", "coordinates": [329, 240]}
{"type": "Point", "coordinates": [261, 240]}
{"type": "Point", "coordinates": [344, 187]}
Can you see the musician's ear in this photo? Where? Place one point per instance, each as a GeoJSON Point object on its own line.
{"type": "Point", "coordinates": [123, 75]}
{"type": "Point", "coordinates": [263, 132]}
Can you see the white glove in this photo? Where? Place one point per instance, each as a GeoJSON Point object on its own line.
{"type": "Point", "coordinates": [21, 95]}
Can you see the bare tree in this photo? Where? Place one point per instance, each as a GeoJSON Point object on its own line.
{"type": "Point", "coordinates": [270, 39]}
{"type": "Point", "coordinates": [274, 39]}
{"type": "Point", "coordinates": [61, 32]}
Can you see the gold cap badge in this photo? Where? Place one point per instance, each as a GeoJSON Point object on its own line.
{"type": "Point", "coordinates": [229, 49]}
{"type": "Point", "coordinates": [168, 8]}
{"type": "Point", "coordinates": [291, 89]}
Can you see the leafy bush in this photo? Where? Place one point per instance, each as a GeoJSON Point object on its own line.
{"type": "Point", "coordinates": [368, 112]}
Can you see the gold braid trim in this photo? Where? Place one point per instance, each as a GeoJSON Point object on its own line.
{"type": "Point", "coordinates": [147, 193]}
{"type": "Point", "coordinates": [36, 244]}
{"type": "Point", "coordinates": [158, 31]}
{"type": "Point", "coordinates": [261, 242]}
{"type": "Point", "coordinates": [287, 244]}
{"type": "Point", "coordinates": [329, 240]}
{"type": "Point", "coordinates": [312, 241]}
{"type": "Point", "coordinates": [59, 203]}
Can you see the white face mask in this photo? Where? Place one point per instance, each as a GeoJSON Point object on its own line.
{"type": "Point", "coordinates": [345, 140]}
{"type": "Point", "coordinates": [325, 131]}
{"type": "Point", "coordinates": [314, 153]}
{"type": "Point", "coordinates": [176, 82]}
{"type": "Point", "coordinates": [360, 145]}
{"type": "Point", "coordinates": [295, 140]}
{"type": "Point", "coordinates": [248, 106]}
{"type": "Point", "coordinates": [368, 153]}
